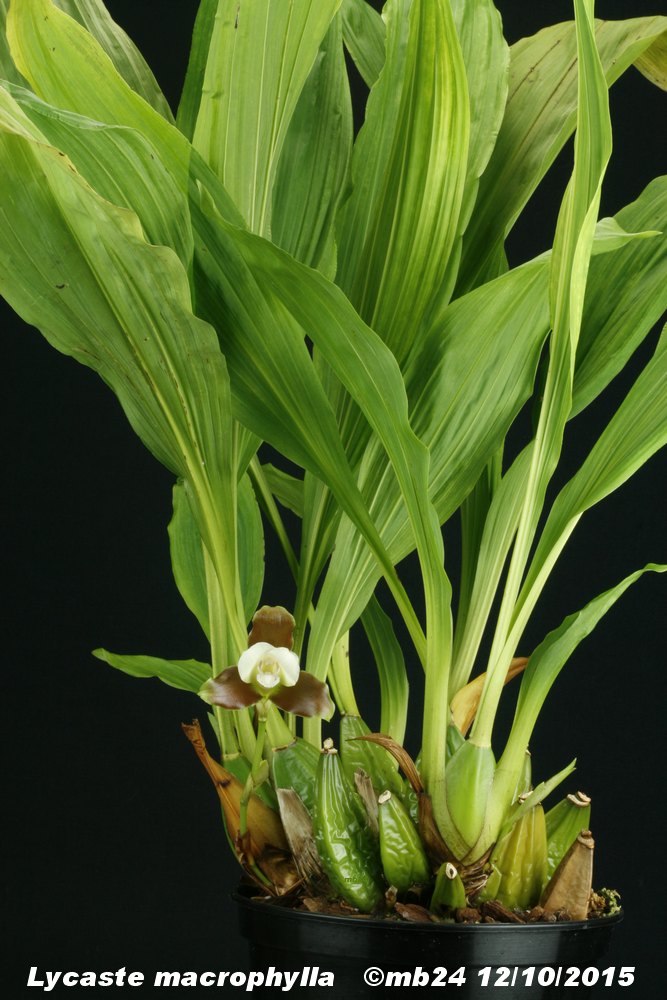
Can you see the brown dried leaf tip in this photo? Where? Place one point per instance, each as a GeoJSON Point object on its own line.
{"type": "Point", "coordinates": [264, 845]}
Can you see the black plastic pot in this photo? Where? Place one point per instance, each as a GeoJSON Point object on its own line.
{"type": "Point", "coordinates": [530, 960]}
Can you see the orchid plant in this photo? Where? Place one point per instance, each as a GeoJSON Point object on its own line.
{"type": "Point", "coordinates": [249, 272]}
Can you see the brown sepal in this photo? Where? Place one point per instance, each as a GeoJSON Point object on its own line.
{"type": "Point", "coordinates": [274, 625]}
{"type": "Point", "coordinates": [229, 691]}
{"type": "Point", "coordinates": [308, 697]}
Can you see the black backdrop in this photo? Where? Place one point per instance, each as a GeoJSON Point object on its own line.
{"type": "Point", "coordinates": [114, 852]}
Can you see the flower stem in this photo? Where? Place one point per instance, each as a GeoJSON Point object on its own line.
{"type": "Point", "coordinates": [251, 783]}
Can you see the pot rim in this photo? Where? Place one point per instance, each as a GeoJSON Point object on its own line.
{"type": "Point", "coordinates": [240, 896]}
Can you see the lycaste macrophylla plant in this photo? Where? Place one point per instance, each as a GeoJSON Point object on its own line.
{"type": "Point", "coordinates": [249, 272]}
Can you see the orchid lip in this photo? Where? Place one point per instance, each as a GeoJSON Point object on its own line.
{"type": "Point", "coordinates": [268, 667]}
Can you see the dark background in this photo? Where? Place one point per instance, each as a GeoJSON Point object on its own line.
{"type": "Point", "coordinates": [115, 854]}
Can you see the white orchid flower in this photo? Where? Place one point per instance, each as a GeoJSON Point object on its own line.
{"type": "Point", "coordinates": [266, 666]}
{"type": "Point", "coordinates": [267, 672]}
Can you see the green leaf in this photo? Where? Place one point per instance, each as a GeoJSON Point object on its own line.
{"type": "Point", "coordinates": [399, 228]}
{"type": "Point", "coordinates": [540, 117]}
{"type": "Point", "coordinates": [634, 434]}
{"type": "Point", "coordinates": [652, 63]}
{"type": "Point", "coordinates": [188, 107]}
{"type": "Point", "coordinates": [250, 541]}
{"type": "Point", "coordinates": [543, 668]}
{"type": "Point", "coordinates": [288, 490]}
{"type": "Point", "coordinates": [187, 558]}
{"type": "Point", "coordinates": [8, 70]}
{"type": "Point", "coordinates": [82, 272]}
{"type": "Point", "coordinates": [365, 35]}
{"type": "Point", "coordinates": [473, 374]}
{"type": "Point", "coordinates": [617, 316]}
{"type": "Point", "coordinates": [126, 57]}
{"type": "Point", "coordinates": [390, 665]}
{"type": "Point", "coordinates": [321, 517]}
{"type": "Point", "coordinates": [486, 57]}
{"type": "Point", "coordinates": [187, 675]}
{"type": "Point", "coordinates": [625, 297]}
{"type": "Point", "coordinates": [538, 794]}
{"type": "Point", "coordinates": [369, 372]}
{"type": "Point", "coordinates": [187, 555]}
{"type": "Point", "coordinates": [270, 365]}
{"type": "Point", "coordinates": [499, 530]}
{"type": "Point", "coordinates": [312, 172]}
{"type": "Point", "coordinates": [570, 261]}
{"type": "Point", "coordinates": [122, 166]}
{"type": "Point", "coordinates": [69, 69]}
{"type": "Point", "coordinates": [259, 58]}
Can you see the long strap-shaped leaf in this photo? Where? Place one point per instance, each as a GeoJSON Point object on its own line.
{"type": "Point", "coordinates": [540, 116]}
{"type": "Point", "coordinates": [371, 375]}
{"type": "Point", "coordinates": [186, 675]}
{"type": "Point", "coordinates": [53, 51]}
{"type": "Point", "coordinates": [500, 525]}
{"type": "Point", "coordinates": [188, 107]}
{"type": "Point", "coordinates": [121, 165]}
{"type": "Point", "coordinates": [486, 57]}
{"type": "Point", "coordinates": [122, 307]}
{"type": "Point", "coordinates": [474, 372]}
{"type": "Point", "coordinates": [625, 295]}
{"type": "Point", "coordinates": [275, 387]}
{"type": "Point", "coordinates": [45, 47]}
{"type": "Point", "coordinates": [188, 559]}
{"type": "Point", "coordinates": [69, 69]}
{"type": "Point", "coordinates": [569, 270]}
{"type": "Point", "coordinates": [390, 663]}
{"type": "Point", "coordinates": [400, 225]}
{"type": "Point", "coordinates": [127, 59]}
{"type": "Point", "coordinates": [8, 70]}
{"type": "Point", "coordinates": [122, 51]}
{"type": "Point", "coordinates": [365, 37]}
{"type": "Point", "coordinates": [545, 664]}
{"type": "Point", "coordinates": [313, 169]}
{"type": "Point", "coordinates": [259, 58]}
{"type": "Point", "coordinates": [634, 434]}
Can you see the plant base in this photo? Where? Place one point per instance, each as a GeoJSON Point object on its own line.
{"type": "Point", "coordinates": [290, 940]}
